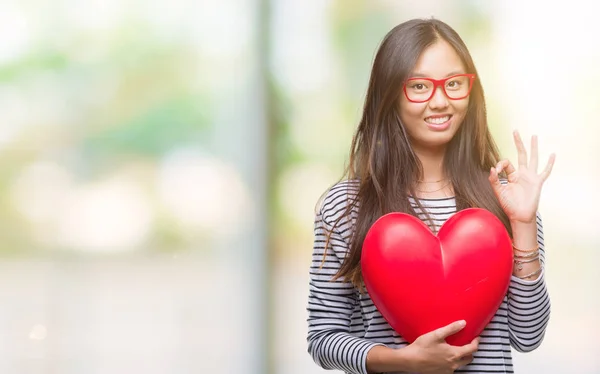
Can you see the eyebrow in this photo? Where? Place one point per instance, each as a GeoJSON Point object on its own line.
{"type": "Point", "coordinates": [421, 75]}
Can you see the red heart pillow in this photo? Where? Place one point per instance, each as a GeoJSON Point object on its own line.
{"type": "Point", "coordinates": [421, 282]}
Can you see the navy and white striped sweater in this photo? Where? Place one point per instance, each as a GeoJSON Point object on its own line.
{"type": "Point", "coordinates": [343, 324]}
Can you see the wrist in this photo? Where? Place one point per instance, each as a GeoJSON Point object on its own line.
{"type": "Point", "coordinates": [514, 224]}
{"type": "Point", "coordinates": [407, 359]}
{"type": "Point", "coordinates": [524, 234]}
{"type": "Point", "coordinates": [527, 265]}
{"type": "Point", "coordinates": [381, 359]}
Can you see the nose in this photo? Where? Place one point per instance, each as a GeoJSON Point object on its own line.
{"type": "Point", "coordinates": [439, 99]}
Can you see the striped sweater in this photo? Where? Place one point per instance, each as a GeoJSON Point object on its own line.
{"type": "Point", "coordinates": [343, 324]}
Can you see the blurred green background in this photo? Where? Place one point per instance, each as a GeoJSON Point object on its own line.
{"type": "Point", "coordinates": [160, 163]}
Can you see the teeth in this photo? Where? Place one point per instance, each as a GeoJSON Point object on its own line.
{"type": "Point", "coordinates": [438, 120]}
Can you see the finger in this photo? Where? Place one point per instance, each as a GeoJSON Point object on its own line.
{"type": "Point", "coordinates": [468, 349]}
{"type": "Point", "coordinates": [444, 332]}
{"type": "Point", "coordinates": [546, 173]}
{"type": "Point", "coordinates": [522, 152]}
{"type": "Point", "coordinates": [505, 165]}
{"type": "Point", "coordinates": [533, 160]}
{"type": "Point", "coordinates": [494, 180]}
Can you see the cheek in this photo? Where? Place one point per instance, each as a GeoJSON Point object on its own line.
{"type": "Point", "coordinates": [411, 111]}
{"type": "Point", "coordinates": [460, 108]}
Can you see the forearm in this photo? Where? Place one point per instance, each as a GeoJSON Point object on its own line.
{"type": "Point", "coordinates": [340, 350]}
{"type": "Point", "coordinates": [528, 298]}
{"type": "Point", "coordinates": [528, 313]}
{"type": "Point", "coordinates": [382, 359]}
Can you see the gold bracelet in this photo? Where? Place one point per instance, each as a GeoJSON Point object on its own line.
{"type": "Point", "coordinates": [532, 254]}
{"type": "Point", "coordinates": [520, 263]}
{"type": "Point", "coordinates": [531, 274]}
{"type": "Point", "coordinates": [537, 247]}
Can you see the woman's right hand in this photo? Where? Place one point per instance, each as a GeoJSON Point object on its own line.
{"type": "Point", "coordinates": [430, 353]}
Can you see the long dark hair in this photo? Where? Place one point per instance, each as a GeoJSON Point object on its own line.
{"type": "Point", "coordinates": [381, 157]}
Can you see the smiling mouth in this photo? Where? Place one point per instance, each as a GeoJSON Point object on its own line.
{"type": "Point", "coordinates": [438, 120]}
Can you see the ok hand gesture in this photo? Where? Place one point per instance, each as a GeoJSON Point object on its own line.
{"type": "Point", "coordinates": [519, 198]}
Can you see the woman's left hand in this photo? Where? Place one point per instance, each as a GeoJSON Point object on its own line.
{"type": "Point", "coordinates": [519, 198]}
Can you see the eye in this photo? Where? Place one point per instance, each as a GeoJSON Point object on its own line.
{"type": "Point", "coordinates": [457, 83]}
{"type": "Point", "coordinates": [418, 86]}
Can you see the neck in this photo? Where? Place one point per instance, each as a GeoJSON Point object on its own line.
{"type": "Point", "coordinates": [432, 161]}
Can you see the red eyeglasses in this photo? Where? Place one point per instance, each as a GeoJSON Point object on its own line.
{"type": "Point", "coordinates": [456, 87]}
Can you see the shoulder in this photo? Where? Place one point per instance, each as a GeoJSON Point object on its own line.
{"type": "Point", "coordinates": [337, 199]}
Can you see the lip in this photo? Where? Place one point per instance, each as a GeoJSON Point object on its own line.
{"type": "Point", "coordinates": [441, 126]}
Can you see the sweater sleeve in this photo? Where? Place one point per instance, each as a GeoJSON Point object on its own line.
{"type": "Point", "coordinates": [331, 304]}
{"type": "Point", "coordinates": [529, 305]}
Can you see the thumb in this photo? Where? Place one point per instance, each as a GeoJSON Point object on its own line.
{"type": "Point", "coordinates": [444, 332]}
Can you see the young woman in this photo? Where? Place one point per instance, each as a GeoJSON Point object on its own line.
{"type": "Point", "coordinates": [423, 147]}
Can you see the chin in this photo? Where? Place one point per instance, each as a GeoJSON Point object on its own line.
{"type": "Point", "coordinates": [437, 140]}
